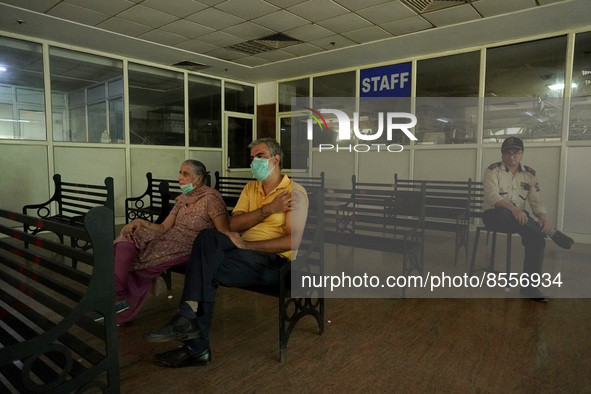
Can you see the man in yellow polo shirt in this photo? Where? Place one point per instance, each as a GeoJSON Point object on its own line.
{"type": "Point", "coordinates": [266, 227]}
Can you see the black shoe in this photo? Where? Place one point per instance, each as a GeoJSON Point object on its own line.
{"type": "Point", "coordinates": [562, 240]}
{"type": "Point", "coordinates": [533, 293]}
{"type": "Point", "coordinates": [182, 357]}
{"type": "Point", "coordinates": [179, 328]}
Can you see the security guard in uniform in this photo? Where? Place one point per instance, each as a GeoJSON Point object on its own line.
{"type": "Point", "coordinates": [507, 187]}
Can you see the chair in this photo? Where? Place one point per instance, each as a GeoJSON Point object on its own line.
{"type": "Point", "coordinates": [491, 265]}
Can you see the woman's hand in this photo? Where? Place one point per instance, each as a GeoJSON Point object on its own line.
{"type": "Point", "coordinates": [131, 228]}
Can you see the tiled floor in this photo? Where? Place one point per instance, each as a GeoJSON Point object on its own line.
{"type": "Point", "coordinates": [474, 345]}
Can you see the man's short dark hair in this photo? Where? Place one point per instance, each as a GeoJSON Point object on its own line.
{"type": "Point", "coordinates": [274, 148]}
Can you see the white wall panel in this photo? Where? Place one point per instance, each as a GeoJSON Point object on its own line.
{"type": "Point", "coordinates": [445, 164]}
{"type": "Point", "coordinates": [23, 179]}
{"type": "Point", "coordinates": [381, 166]}
{"type": "Point", "coordinates": [93, 165]}
{"type": "Point", "coordinates": [577, 210]}
{"type": "Point", "coordinates": [161, 162]}
{"type": "Point", "coordinates": [212, 161]}
{"type": "Point", "coordinates": [337, 166]}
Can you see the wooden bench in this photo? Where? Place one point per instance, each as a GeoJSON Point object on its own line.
{"type": "Point", "coordinates": [156, 201]}
{"type": "Point", "coordinates": [377, 216]}
{"type": "Point", "coordinates": [310, 259]}
{"type": "Point", "coordinates": [73, 201]}
{"type": "Point", "coordinates": [48, 339]}
{"type": "Point", "coordinates": [447, 207]}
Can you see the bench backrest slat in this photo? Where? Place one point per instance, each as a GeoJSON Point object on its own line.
{"type": "Point", "coordinates": [156, 201]}
{"type": "Point", "coordinates": [79, 196]}
{"type": "Point", "coordinates": [230, 187]}
{"type": "Point", "coordinates": [47, 305]}
{"type": "Point", "coordinates": [444, 199]}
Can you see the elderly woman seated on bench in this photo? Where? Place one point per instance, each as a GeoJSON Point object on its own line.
{"type": "Point", "coordinates": [144, 250]}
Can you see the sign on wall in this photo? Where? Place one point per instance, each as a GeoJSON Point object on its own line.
{"type": "Point", "coordinates": [386, 81]}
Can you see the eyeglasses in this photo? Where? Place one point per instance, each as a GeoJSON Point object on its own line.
{"type": "Point", "coordinates": [512, 152]}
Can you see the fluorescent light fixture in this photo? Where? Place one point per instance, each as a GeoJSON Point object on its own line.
{"type": "Point", "coordinates": [2, 68]}
{"type": "Point", "coordinates": [15, 120]}
{"type": "Point", "coordinates": [443, 120]}
{"type": "Point", "coordinates": [560, 86]}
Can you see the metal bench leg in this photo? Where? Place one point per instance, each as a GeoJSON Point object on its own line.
{"type": "Point", "coordinates": [474, 250]}
{"type": "Point", "coordinates": [493, 248]}
{"type": "Point", "coordinates": [167, 276]}
{"type": "Point", "coordinates": [508, 254]}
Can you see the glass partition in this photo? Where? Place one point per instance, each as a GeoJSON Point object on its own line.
{"type": "Point", "coordinates": [294, 142]}
{"type": "Point", "coordinates": [205, 112]}
{"type": "Point", "coordinates": [87, 93]}
{"type": "Point", "coordinates": [580, 115]}
{"type": "Point", "coordinates": [524, 90]}
{"type": "Point", "coordinates": [240, 132]}
{"type": "Point", "coordinates": [22, 98]}
{"type": "Point", "coordinates": [292, 89]}
{"type": "Point", "coordinates": [239, 98]}
{"type": "Point", "coordinates": [447, 99]}
{"type": "Point", "coordinates": [326, 89]}
{"type": "Point", "coordinates": [374, 119]}
{"type": "Point", "coordinates": [156, 106]}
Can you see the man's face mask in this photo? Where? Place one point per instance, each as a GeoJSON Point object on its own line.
{"type": "Point", "coordinates": [260, 168]}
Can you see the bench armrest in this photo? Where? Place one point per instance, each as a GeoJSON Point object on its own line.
{"type": "Point", "coordinates": [414, 235]}
{"type": "Point", "coordinates": [42, 209]}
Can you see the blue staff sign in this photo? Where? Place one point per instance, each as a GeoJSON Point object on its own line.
{"type": "Point", "coordinates": [386, 81]}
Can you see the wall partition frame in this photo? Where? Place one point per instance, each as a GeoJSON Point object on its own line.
{"type": "Point", "coordinates": [130, 116]}
{"type": "Point", "coordinates": [467, 102]}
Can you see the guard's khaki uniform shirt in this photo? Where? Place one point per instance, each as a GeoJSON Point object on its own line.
{"type": "Point", "coordinates": [500, 184]}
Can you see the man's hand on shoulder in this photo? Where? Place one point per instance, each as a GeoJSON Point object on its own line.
{"type": "Point", "coordinates": [281, 203]}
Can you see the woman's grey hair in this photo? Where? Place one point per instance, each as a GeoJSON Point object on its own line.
{"type": "Point", "coordinates": [198, 168]}
{"type": "Point", "coordinates": [274, 148]}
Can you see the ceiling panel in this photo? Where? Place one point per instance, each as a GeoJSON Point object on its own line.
{"type": "Point", "coordinates": [343, 32]}
{"type": "Point", "coordinates": [247, 9]}
{"type": "Point", "coordinates": [110, 7]}
{"type": "Point", "coordinates": [78, 14]}
{"type": "Point", "coordinates": [450, 16]}
{"type": "Point", "coordinates": [488, 8]}
{"type": "Point", "coordinates": [386, 12]}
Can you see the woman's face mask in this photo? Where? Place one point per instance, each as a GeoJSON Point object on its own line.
{"type": "Point", "coordinates": [187, 188]}
{"type": "Point", "coordinates": [260, 168]}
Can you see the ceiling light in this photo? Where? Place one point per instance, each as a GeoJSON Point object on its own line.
{"type": "Point", "coordinates": [560, 86]}
{"type": "Point", "coordinates": [2, 68]}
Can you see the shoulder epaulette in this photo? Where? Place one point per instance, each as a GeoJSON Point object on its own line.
{"type": "Point", "coordinates": [529, 169]}
{"type": "Point", "coordinates": [495, 165]}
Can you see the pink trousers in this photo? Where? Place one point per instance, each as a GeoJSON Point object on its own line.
{"type": "Point", "coordinates": [134, 286]}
